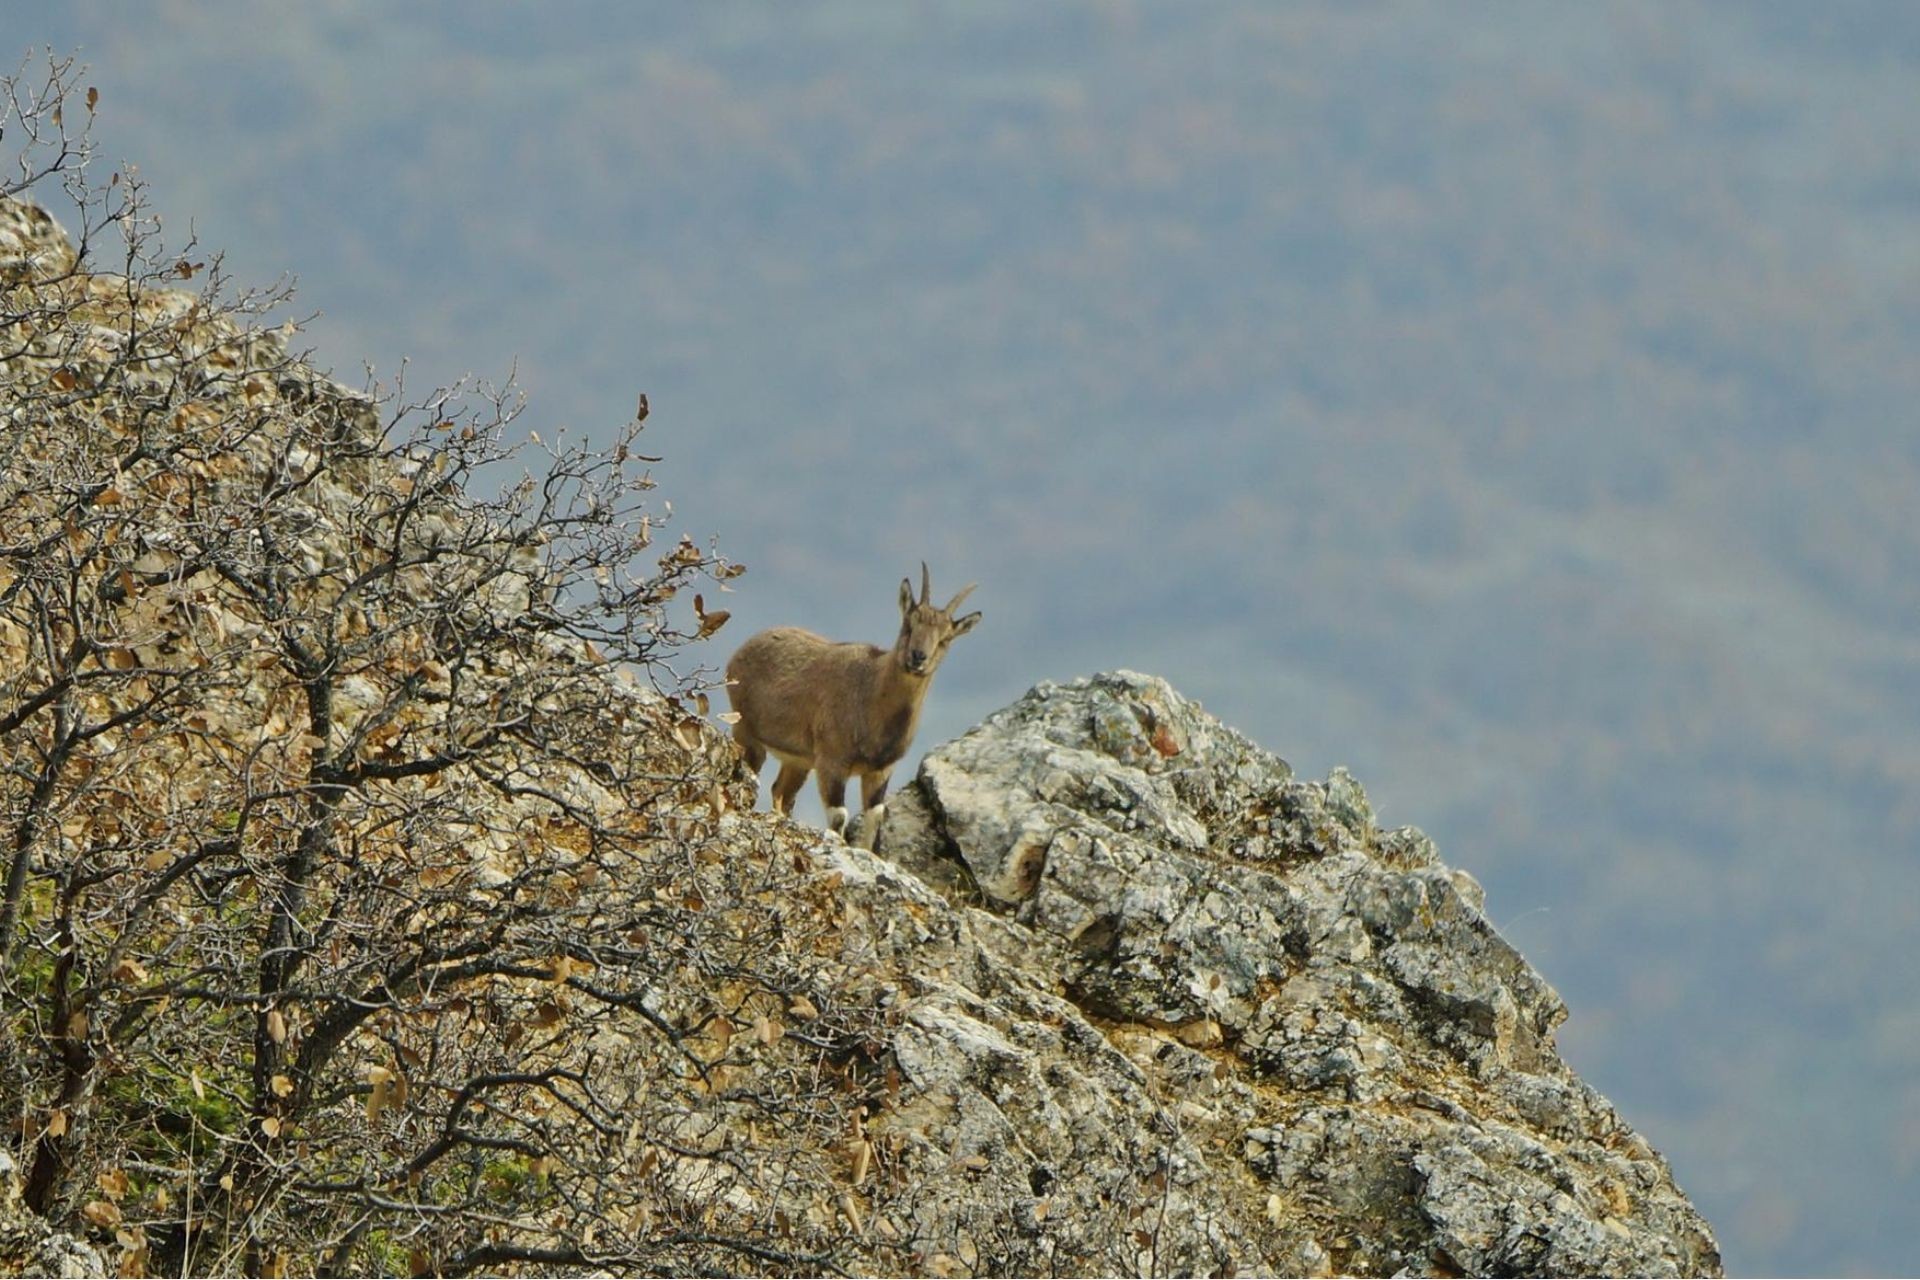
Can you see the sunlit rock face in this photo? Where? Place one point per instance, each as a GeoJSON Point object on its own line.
{"type": "Point", "coordinates": [1353, 1070]}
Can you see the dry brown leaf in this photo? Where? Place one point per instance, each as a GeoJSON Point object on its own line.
{"type": "Point", "coordinates": [1204, 1033]}
{"type": "Point", "coordinates": [382, 1081]}
{"type": "Point", "coordinates": [129, 970]}
{"type": "Point", "coordinates": [709, 623]}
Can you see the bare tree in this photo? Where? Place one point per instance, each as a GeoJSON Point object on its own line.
{"type": "Point", "coordinates": [365, 901]}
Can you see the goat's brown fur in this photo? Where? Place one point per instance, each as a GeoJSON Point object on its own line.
{"type": "Point", "coordinates": [842, 709]}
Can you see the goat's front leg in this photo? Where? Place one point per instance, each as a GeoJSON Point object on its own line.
{"type": "Point", "coordinates": [873, 806]}
{"type": "Point", "coordinates": [833, 793]}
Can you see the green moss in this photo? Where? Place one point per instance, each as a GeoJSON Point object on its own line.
{"type": "Point", "coordinates": [379, 1254]}
{"type": "Point", "coordinates": [172, 1124]}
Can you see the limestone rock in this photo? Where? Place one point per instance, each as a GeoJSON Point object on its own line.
{"type": "Point", "coordinates": [1341, 1062]}
{"type": "Point", "coordinates": [29, 1246]}
{"type": "Point", "coordinates": [33, 244]}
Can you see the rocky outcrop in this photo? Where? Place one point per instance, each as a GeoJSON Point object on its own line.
{"type": "Point", "coordinates": [1117, 994]}
{"type": "Point", "coordinates": [29, 1246]}
{"type": "Point", "coordinates": [1304, 1024]}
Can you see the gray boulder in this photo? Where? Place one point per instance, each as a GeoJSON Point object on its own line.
{"type": "Point", "coordinates": [1340, 1064]}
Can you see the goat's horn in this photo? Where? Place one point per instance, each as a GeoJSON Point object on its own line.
{"type": "Point", "coordinates": [926, 583]}
{"type": "Point", "coordinates": [964, 593]}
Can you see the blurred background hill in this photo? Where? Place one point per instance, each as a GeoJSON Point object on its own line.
{"type": "Point", "coordinates": [1514, 404]}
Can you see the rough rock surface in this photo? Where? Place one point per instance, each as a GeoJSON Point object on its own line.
{"type": "Point", "coordinates": [1339, 1063]}
{"type": "Point", "coordinates": [1117, 995]}
{"type": "Point", "coordinates": [29, 1246]}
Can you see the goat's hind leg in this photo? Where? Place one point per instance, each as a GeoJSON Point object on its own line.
{"type": "Point", "coordinates": [752, 750]}
{"type": "Point", "coordinates": [787, 786]}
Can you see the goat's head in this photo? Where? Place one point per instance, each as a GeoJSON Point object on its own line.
{"type": "Point", "coordinates": [926, 629]}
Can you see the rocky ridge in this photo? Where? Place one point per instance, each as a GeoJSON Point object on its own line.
{"type": "Point", "coordinates": [1116, 995]}
{"type": "Point", "coordinates": [1348, 1068]}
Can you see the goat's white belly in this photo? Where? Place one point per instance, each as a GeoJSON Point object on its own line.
{"type": "Point", "coordinates": [791, 759]}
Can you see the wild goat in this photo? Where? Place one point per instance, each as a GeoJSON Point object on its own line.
{"type": "Point", "coordinates": [839, 708]}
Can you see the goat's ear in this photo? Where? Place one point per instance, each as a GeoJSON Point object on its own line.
{"type": "Point", "coordinates": [906, 596]}
{"type": "Point", "coordinates": [963, 625]}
